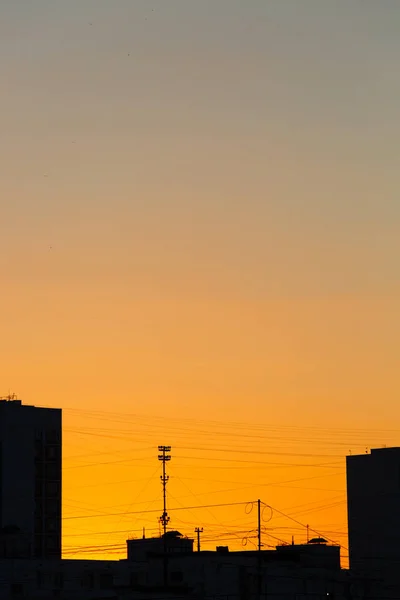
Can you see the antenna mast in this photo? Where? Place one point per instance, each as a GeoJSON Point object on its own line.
{"type": "Point", "coordinates": [164, 457]}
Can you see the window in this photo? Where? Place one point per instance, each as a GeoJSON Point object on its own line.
{"type": "Point", "coordinates": [87, 580]}
{"type": "Point", "coordinates": [38, 506]}
{"type": "Point", "coordinates": [38, 449]}
{"type": "Point", "coordinates": [52, 543]}
{"type": "Point", "coordinates": [52, 472]}
{"type": "Point", "coordinates": [106, 581]}
{"type": "Point", "coordinates": [51, 525]}
{"type": "Point", "coordinates": [138, 578]}
{"type": "Point", "coordinates": [59, 580]}
{"type": "Point", "coordinates": [39, 579]}
{"type": "Point", "coordinates": [52, 452]}
{"type": "Point", "coordinates": [52, 436]}
{"type": "Point", "coordinates": [38, 541]}
{"type": "Point", "coordinates": [38, 488]}
{"type": "Point", "coordinates": [17, 590]}
{"type": "Point", "coordinates": [53, 508]}
{"type": "Point", "coordinates": [38, 523]}
{"type": "Point", "coordinates": [52, 488]}
{"type": "Point", "coordinates": [39, 469]}
{"type": "Point", "coordinates": [38, 545]}
{"type": "Point", "coordinates": [176, 576]}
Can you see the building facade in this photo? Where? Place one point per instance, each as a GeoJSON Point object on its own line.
{"type": "Point", "coordinates": [173, 542]}
{"type": "Point", "coordinates": [30, 480]}
{"type": "Point", "coordinates": [296, 573]}
{"type": "Point", "coordinates": [373, 501]}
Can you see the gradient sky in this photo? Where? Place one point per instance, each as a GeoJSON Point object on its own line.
{"type": "Point", "coordinates": [200, 215]}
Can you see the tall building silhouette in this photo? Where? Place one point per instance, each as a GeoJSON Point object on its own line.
{"type": "Point", "coordinates": [30, 480]}
{"type": "Point", "coordinates": [373, 502]}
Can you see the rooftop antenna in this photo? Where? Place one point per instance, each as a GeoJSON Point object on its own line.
{"type": "Point", "coordinates": [164, 457]}
{"type": "Point", "coordinates": [9, 397]}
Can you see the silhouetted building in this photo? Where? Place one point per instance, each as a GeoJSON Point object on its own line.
{"type": "Point", "coordinates": [373, 501]}
{"type": "Point", "coordinates": [30, 481]}
{"type": "Point", "coordinates": [173, 543]}
{"type": "Point", "coordinates": [316, 553]}
{"type": "Point", "coordinates": [287, 573]}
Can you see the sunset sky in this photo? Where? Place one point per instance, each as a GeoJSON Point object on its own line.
{"type": "Point", "coordinates": [199, 216]}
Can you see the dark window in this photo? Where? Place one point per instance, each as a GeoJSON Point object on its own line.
{"type": "Point", "coordinates": [52, 436]}
{"type": "Point", "coordinates": [52, 488]}
{"type": "Point", "coordinates": [52, 453]}
{"type": "Point", "coordinates": [38, 523]}
{"type": "Point", "coordinates": [59, 580]}
{"type": "Point", "coordinates": [106, 581]}
{"type": "Point", "coordinates": [38, 489]}
{"type": "Point", "coordinates": [38, 449]}
{"type": "Point", "coordinates": [52, 472]}
{"type": "Point", "coordinates": [176, 576]}
{"type": "Point", "coordinates": [39, 579]}
{"type": "Point", "coordinates": [38, 544]}
{"type": "Point", "coordinates": [39, 468]}
{"type": "Point", "coordinates": [53, 508]}
{"type": "Point", "coordinates": [52, 543]}
{"type": "Point", "coordinates": [138, 578]}
{"type": "Point", "coordinates": [87, 580]}
{"type": "Point", "coordinates": [17, 590]}
{"type": "Point", "coordinates": [38, 506]}
{"type": "Point", "coordinates": [51, 525]}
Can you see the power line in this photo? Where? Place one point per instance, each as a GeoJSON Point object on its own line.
{"type": "Point", "coordinates": [105, 415]}
{"type": "Point", "coordinates": [300, 523]}
{"type": "Point", "coordinates": [141, 512]}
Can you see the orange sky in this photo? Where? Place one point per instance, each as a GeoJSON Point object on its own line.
{"type": "Point", "coordinates": [200, 247]}
{"type": "Point", "coordinates": [112, 487]}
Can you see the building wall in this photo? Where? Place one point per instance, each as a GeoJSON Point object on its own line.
{"type": "Point", "coordinates": [30, 474]}
{"type": "Point", "coordinates": [140, 549]}
{"type": "Point", "coordinates": [207, 576]}
{"type": "Point", "coordinates": [373, 499]}
{"type": "Point", "coordinates": [203, 576]}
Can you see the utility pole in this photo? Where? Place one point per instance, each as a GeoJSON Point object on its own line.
{"type": "Point", "coordinates": [198, 530]}
{"type": "Point", "coordinates": [164, 457]}
{"type": "Point", "coordinates": [308, 533]}
{"type": "Point", "coordinates": [259, 579]}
